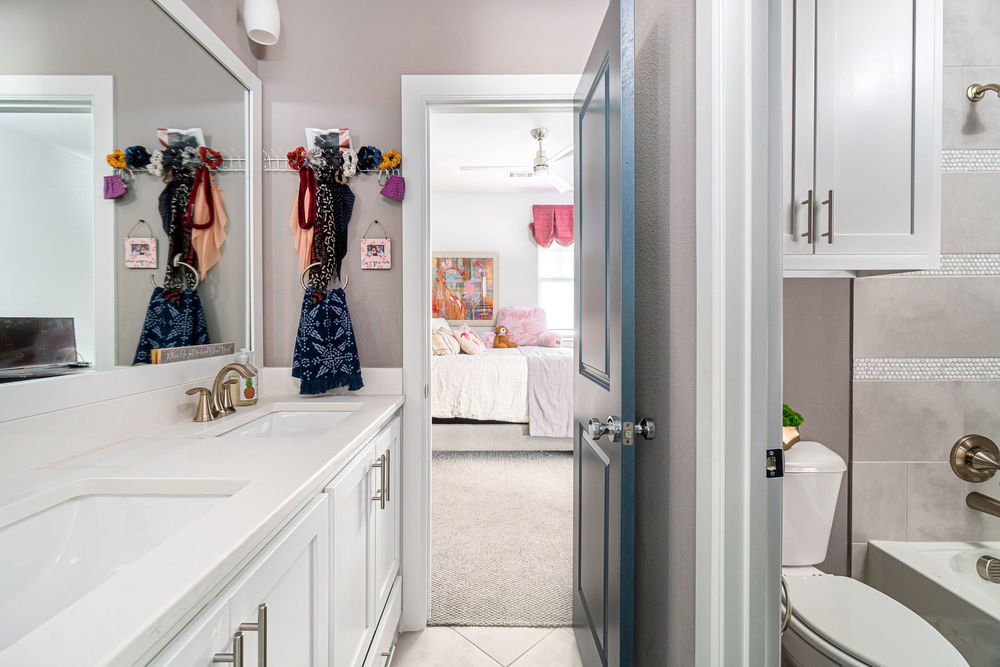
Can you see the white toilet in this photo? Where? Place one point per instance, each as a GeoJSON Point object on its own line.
{"type": "Point", "coordinates": [838, 620]}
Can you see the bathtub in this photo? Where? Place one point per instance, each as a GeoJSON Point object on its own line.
{"type": "Point", "coordinates": [938, 580]}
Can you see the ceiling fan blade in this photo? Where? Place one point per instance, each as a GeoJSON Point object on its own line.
{"type": "Point", "coordinates": [558, 182]}
{"type": "Point", "coordinates": [495, 167]}
{"type": "Point", "coordinates": [564, 153]}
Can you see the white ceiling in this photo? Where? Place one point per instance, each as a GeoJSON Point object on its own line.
{"type": "Point", "coordinates": [495, 138]}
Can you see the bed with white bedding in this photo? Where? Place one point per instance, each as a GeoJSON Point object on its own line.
{"type": "Point", "coordinates": [523, 385]}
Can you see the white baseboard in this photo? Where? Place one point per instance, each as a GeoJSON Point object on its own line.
{"type": "Point", "coordinates": [279, 380]}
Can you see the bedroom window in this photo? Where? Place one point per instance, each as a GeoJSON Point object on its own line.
{"type": "Point", "coordinates": [555, 285]}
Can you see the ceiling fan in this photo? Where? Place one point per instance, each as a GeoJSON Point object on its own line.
{"type": "Point", "coordinates": [540, 166]}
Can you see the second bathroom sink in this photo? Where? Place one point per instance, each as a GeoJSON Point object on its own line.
{"type": "Point", "coordinates": [289, 424]}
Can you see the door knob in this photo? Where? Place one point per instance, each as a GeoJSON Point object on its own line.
{"type": "Point", "coordinates": [614, 428]}
{"type": "Point", "coordinates": [596, 428]}
{"type": "Point", "coordinates": [646, 428]}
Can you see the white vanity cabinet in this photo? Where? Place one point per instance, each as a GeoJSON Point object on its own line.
{"type": "Point", "coordinates": [862, 137]}
{"type": "Point", "coordinates": [290, 577]}
{"type": "Point", "coordinates": [364, 553]}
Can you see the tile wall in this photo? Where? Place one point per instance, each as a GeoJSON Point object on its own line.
{"type": "Point", "coordinates": [927, 344]}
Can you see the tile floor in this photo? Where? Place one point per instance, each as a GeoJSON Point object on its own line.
{"type": "Point", "coordinates": [487, 647]}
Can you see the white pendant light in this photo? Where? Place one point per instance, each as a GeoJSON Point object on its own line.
{"type": "Point", "coordinates": [262, 20]}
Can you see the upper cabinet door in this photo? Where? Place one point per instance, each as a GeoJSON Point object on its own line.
{"type": "Point", "coordinates": [873, 136]}
{"type": "Point", "coordinates": [798, 114]}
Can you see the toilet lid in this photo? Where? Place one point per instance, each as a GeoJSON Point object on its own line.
{"type": "Point", "coordinates": [868, 624]}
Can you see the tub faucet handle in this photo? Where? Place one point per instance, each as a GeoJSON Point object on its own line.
{"type": "Point", "coordinates": [975, 458]}
{"type": "Point", "coordinates": [988, 568]}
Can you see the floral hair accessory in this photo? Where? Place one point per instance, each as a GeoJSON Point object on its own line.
{"type": "Point", "coordinates": [390, 160]}
{"type": "Point", "coordinates": [117, 159]}
{"type": "Point", "coordinates": [136, 157]}
{"type": "Point", "coordinates": [298, 158]}
{"type": "Point", "coordinates": [173, 158]}
{"type": "Point", "coordinates": [316, 159]}
{"type": "Point", "coordinates": [210, 157]}
{"type": "Point", "coordinates": [350, 167]}
{"type": "Point", "coordinates": [155, 166]}
{"type": "Point", "coordinates": [191, 158]}
{"type": "Point", "coordinates": [369, 158]}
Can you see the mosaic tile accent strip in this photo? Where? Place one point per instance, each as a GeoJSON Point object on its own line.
{"type": "Point", "coordinates": [960, 265]}
{"type": "Point", "coordinates": [968, 159]}
{"type": "Point", "coordinates": [943, 368]}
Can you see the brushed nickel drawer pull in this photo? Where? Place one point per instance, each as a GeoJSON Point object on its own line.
{"type": "Point", "coordinates": [809, 235]}
{"type": "Point", "coordinates": [388, 478]}
{"type": "Point", "coordinates": [260, 627]}
{"type": "Point", "coordinates": [829, 227]}
{"type": "Point", "coordinates": [380, 494]}
{"type": "Point", "coordinates": [236, 657]}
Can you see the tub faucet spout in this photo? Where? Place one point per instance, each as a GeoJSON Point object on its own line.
{"type": "Point", "coordinates": [983, 503]}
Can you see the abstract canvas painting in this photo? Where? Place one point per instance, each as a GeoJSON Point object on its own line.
{"type": "Point", "coordinates": [464, 288]}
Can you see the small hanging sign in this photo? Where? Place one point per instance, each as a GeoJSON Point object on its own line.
{"type": "Point", "coordinates": [376, 253]}
{"type": "Point", "coordinates": [140, 251]}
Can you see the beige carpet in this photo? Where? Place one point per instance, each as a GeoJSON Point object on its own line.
{"type": "Point", "coordinates": [502, 539]}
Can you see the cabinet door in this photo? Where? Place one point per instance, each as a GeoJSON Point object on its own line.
{"type": "Point", "coordinates": [352, 550]}
{"type": "Point", "coordinates": [877, 140]}
{"type": "Point", "coordinates": [387, 518]}
{"type": "Point", "coordinates": [798, 66]}
{"type": "Point", "coordinates": [291, 578]}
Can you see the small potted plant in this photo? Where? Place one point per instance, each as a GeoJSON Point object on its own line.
{"type": "Point", "coordinates": [790, 427]}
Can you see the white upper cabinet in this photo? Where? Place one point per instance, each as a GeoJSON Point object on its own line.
{"type": "Point", "coordinates": [862, 142]}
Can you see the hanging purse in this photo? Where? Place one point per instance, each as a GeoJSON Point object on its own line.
{"type": "Point", "coordinates": [394, 188]}
{"type": "Point", "coordinates": [114, 187]}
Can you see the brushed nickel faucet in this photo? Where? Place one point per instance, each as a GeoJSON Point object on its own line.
{"type": "Point", "coordinates": [217, 402]}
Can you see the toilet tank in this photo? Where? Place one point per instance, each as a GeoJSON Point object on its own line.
{"type": "Point", "coordinates": [809, 500]}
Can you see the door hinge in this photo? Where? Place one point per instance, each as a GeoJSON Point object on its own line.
{"type": "Point", "coordinates": [775, 462]}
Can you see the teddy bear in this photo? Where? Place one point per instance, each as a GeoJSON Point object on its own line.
{"type": "Point", "coordinates": [501, 339]}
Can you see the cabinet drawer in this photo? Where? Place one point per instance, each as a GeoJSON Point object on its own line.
{"type": "Point", "coordinates": [383, 645]}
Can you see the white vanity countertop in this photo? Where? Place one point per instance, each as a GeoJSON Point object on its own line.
{"type": "Point", "coordinates": [126, 616]}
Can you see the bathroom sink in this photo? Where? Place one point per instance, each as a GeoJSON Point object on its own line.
{"type": "Point", "coordinates": [289, 424]}
{"type": "Point", "coordinates": [59, 554]}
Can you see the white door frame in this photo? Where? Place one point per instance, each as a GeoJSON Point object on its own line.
{"type": "Point", "coordinates": [419, 94]}
{"type": "Point", "coordinates": [738, 330]}
{"type": "Point", "coordinates": [738, 249]}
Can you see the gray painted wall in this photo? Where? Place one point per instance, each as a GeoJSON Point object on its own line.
{"type": "Point", "coordinates": [331, 69]}
{"type": "Point", "coordinates": [225, 18]}
{"type": "Point", "coordinates": [162, 79]}
{"type": "Point", "coordinates": [817, 381]}
{"type": "Point", "coordinates": [903, 487]}
{"type": "Point", "coordinates": [665, 318]}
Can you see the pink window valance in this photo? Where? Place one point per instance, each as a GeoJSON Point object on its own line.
{"type": "Point", "coordinates": [552, 223]}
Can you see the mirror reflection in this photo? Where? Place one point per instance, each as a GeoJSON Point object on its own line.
{"type": "Point", "coordinates": [125, 184]}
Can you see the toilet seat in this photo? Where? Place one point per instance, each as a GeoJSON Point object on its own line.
{"type": "Point", "coordinates": [866, 624]}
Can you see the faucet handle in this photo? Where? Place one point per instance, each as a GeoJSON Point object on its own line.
{"type": "Point", "coordinates": [204, 412]}
{"type": "Point", "coordinates": [975, 458]}
{"type": "Point", "coordinates": [226, 397]}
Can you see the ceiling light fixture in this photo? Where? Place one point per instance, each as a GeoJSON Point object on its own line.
{"type": "Point", "coordinates": [262, 21]}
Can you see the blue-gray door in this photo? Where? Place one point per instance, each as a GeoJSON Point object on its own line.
{"type": "Point", "coordinates": [604, 456]}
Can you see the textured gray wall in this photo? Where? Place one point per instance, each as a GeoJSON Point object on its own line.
{"type": "Point", "coordinates": [332, 68]}
{"type": "Point", "coordinates": [162, 79]}
{"type": "Point", "coordinates": [665, 318]}
{"type": "Point", "coordinates": [817, 381]}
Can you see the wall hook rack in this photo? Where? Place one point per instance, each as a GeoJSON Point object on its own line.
{"type": "Point", "coordinates": [977, 91]}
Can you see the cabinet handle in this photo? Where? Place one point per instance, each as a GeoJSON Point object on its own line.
{"type": "Point", "coordinates": [236, 657]}
{"type": "Point", "coordinates": [829, 228]}
{"type": "Point", "coordinates": [809, 236]}
{"type": "Point", "coordinates": [388, 478]}
{"type": "Point", "coordinates": [260, 627]}
{"type": "Point", "coordinates": [380, 494]}
{"type": "Point", "coordinates": [388, 654]}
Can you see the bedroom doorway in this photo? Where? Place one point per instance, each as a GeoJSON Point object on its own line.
{"type": "Point", "coordinates": [501, 391]}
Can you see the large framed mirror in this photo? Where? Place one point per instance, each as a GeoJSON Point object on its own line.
{"type": "Point", "coordinates": [108, 256]}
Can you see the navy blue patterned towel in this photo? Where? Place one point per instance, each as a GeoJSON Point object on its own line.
{"type": "Point", "coordinates": [326, 355]}
{"type": "Point", "coordinates": [173, 319]}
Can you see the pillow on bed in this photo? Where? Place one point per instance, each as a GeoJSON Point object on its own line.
{"type": "Point", "coordinates": [440, 323]}
{"type": "Point", "coordinates": [444, 343]}
{"type": "Point", "coordinates": [527, 325]}
{"type": "Point", "coordinates": [469, 340]}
